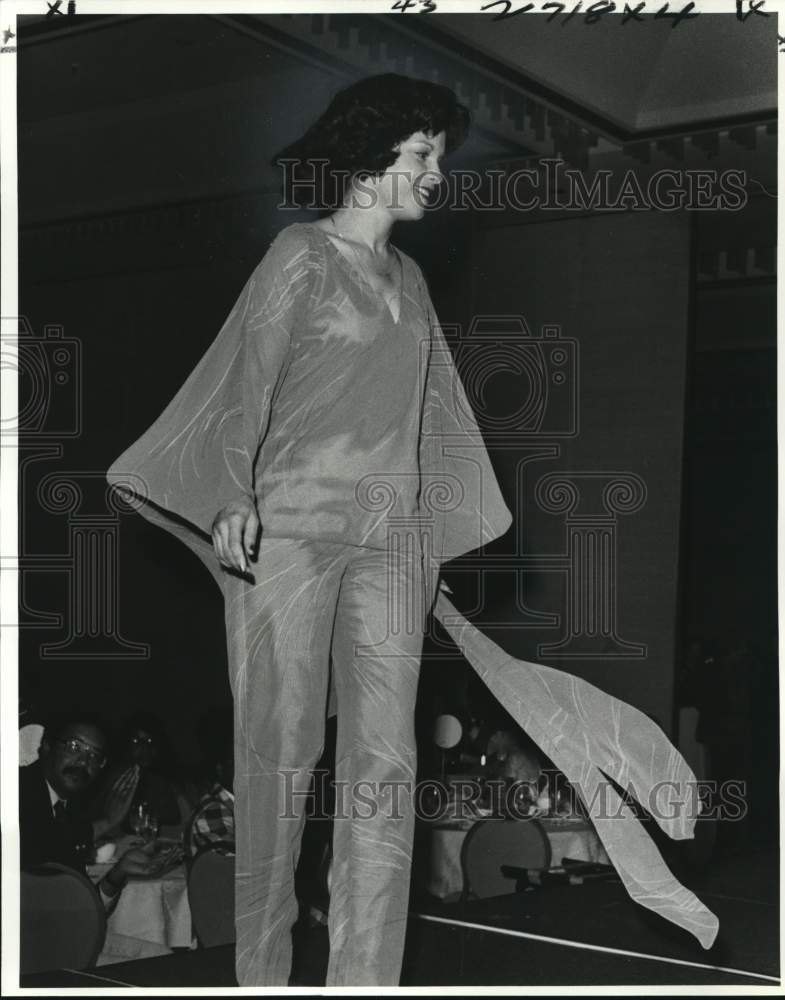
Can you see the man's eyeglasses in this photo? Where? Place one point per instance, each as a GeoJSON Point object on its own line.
{"type": "Point", "coordinates": [146, 740]}
{"type": "Point", "coordinates": [75, 747]}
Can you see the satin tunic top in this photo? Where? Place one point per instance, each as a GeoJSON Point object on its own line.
{"type": "Point", "coordinates": [339, 460]}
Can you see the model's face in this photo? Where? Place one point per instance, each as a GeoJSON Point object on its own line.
{"type": "Point", "coordinates": [410, 183]}
{"type": "Point", "coordinates": [73, 761]}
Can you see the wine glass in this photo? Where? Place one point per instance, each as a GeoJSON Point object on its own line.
{"type": "Point", "coordinates": [139, 819]}
{"type": "Point", "coordinates": [150, 827]}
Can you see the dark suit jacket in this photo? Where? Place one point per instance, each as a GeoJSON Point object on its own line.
{"type": "Point", "coordinates": [42, 838]}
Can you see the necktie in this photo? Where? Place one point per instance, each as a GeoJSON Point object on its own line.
{"type": "Point", "coordinates": [60, 811]}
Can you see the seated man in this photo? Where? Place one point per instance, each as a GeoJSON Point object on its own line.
{"type": "Point", "coordinates": [53, 825]}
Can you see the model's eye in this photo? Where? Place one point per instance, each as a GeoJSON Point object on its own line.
{"type": "Point", "coordinates": [423, 154]}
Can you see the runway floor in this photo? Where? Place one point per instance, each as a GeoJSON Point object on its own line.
{"type": "Point", "coordinates": [587, 935]}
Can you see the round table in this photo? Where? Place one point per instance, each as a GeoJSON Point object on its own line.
{"type": "Point", "coordinates": [152, 916]}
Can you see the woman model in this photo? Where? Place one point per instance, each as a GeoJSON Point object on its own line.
{"type": "Point", "coordinates": [323, 460]}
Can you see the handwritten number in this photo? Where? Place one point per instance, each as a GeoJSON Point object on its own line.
{"type": "Point", "coordinates": [428, 6]}
{"type": "Point", "coordinates": [630, 14]}
{"type": "Point", "coordinates": [507, 4]}
{"type": "Point", "coordinates": [676, 16]}
{"type": "Point", "coordinates": [632, 11]}
{"type": "Point", "coordinates": [559, 8]}
{"type": "Point", "coordinates": [595, 12]}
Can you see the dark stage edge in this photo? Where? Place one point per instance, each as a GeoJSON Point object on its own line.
{"type": "Point", "coordinates": [442, 950]}
{"type": "Point", "coordinates": [741, 890]}
{"type": "Point", "coordinates": [442, 956]}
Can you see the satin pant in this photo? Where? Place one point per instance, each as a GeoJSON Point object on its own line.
{"type": "Point", "coordinates": [361, 612]}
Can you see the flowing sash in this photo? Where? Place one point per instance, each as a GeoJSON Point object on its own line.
{"type": "Point", "coordinates": [585, 732]}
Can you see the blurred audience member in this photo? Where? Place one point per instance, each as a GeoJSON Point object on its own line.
{"type": "Point", "coordinates": [145, 747]}
{"type": "Point", "coordinates": [509, 757]}
{"type": "Point", "coordinates": [512, 757]}
{"type": "Point", "coordinates": [53, 823]}
{"type": "Point", "coordinates": [212, 823]}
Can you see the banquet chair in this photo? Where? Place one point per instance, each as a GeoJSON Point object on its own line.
{"type": "Point", "coordinates": [62, 920]}
{"type": "Point", "coordinates": [495, 844]}
{"type": "Point", "coordinates": [211, 896]}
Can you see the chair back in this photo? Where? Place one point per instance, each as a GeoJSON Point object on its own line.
{"type": "Point", "coordinates": [63, 921]}
{"type": "Point", "coordinates": [211, 897]}
{"type": "Point", "coordinates": [492, 844]}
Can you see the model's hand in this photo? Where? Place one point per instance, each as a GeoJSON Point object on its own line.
{"type": "Point", "coordinates": [234, 534]}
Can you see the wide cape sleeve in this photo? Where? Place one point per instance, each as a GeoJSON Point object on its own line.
{"type": "Point", "coordinates": [585, 732]}
{"type": "Point", "coordinates": [200, 453]}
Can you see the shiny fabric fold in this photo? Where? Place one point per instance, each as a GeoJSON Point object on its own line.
{"type": "Point", "coordinates": [585, 732]}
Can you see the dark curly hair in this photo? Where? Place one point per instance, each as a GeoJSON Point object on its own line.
{"type": "Point", "coordinates": [355, 136]}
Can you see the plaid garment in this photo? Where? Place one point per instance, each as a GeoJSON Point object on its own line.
{"type": "Point", "coordinates": [213, 821]}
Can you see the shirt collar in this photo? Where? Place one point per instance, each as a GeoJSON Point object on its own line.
{"type": "Point", "coordinates": [54, 798]}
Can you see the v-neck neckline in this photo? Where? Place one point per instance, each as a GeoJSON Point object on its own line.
{"type": "Point", "coordinates": [355, 272]}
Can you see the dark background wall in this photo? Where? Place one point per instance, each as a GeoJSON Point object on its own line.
{"type": "Point", "coordinates": [592, 276]}
{"type": "Point", "coordinates": [145, 201]}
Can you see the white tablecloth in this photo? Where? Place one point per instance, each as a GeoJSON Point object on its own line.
{"type": "Point", "coordinates": [151, 918]}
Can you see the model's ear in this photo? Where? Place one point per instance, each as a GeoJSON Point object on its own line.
{"type": "Point", "coordinates": [45, 748]}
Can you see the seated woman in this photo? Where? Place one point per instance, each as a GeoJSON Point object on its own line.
{"type": "Point", "coordinates": [144, 744]}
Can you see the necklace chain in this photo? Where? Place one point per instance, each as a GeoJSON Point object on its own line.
{"type": "Point", "coordinates": [379, 274]}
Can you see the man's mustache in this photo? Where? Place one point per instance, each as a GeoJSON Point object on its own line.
{"type": "Point", "coordinates": [81, 771]}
